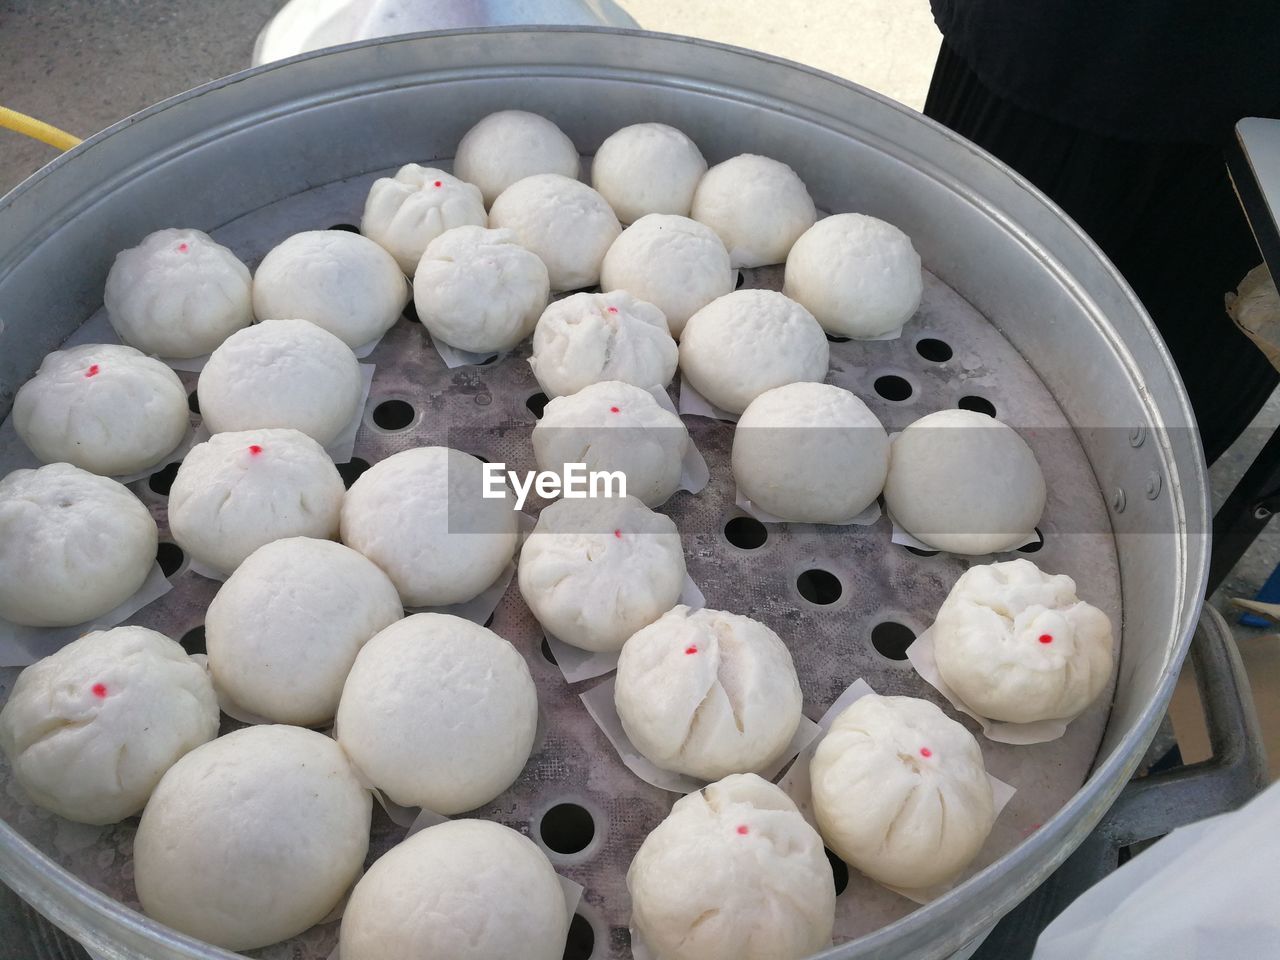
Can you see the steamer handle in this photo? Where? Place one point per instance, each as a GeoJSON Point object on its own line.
{"type": "Point", "coordinates": [36, 129]}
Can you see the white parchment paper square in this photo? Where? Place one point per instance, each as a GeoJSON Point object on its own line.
{"type": "Point", "coordinates": [599, 703]}
{"type": "Point", "coordinates": [577, 664]}
{"type": "Point", "coordinates": [920, 655]}
{"type": "Point", "coordinates": [21, 646]}
{"type": "Point", "coordinates": [797, 785]}
{"type": "Point", "coordinates": [865, 518]}
{"type": "Point", "coordinates": [694, 404]}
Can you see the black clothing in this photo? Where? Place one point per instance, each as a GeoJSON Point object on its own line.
{"type": "Point", "coordinates": [1164, 213]}
{"type": "Point", "coordinates": [1151, 71]}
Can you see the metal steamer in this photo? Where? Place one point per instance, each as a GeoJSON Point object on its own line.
{"type": "Point", "coordinates": [1036, 326]}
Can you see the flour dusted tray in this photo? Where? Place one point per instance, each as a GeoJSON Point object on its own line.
{"type": "Point", "coordinates": [248, 158]}
{"type": "Point", "coordinates": [844, 599]}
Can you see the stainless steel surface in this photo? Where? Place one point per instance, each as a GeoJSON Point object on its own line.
{"type": "Point", "coordinates": [305, 25]}
{"type": "Point", "coordinates": [213, 156]}
{"type": "Point", "coordinates": [1255, 170]}
{"type": "Point", "coordinates": [484, 410]}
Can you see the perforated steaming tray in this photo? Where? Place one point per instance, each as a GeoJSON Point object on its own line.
{"type": "Point", "coordinates": [490, 410]}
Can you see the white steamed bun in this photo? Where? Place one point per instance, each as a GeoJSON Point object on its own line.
{"type": "Point", "coordinates": [421, 515]}
{"type": "Point", "coordinates": [178, 294]}
{"type": "Point", "coordinates": [707, 693]}
{"type": "Point", "coordinates": [613, 426]}
{"type": "Point", "coordinates": [73, 545]}
{"type": "Point", "coordinates": [964, 482]}
{"type": "Point", "coordinates": [237, 491]}
{"type": "Point", "coordinates": [810, 452]}
{"type": "Point", "coordinates": [590, 337]}
{"type": "Point", "coordinates": [90, 730]}
{"type": "Point", "coordinates": [566, 223]}
{"type": "Point", "coordinates": [510, 145]}
{"type": "Point", "coordinates": [479, 290]}
{"type": "Point", "coordinates": [675, 263]}
{"type": "Point", "coordinates": [733, 873]}
{"type": "Point", "coordinates": [103, 407]}
{"type": "Point", "coordinates": [281, 373]}
{"type": "Point", "coordinates": [749, 341]}
{"type": "Point", "coordinates": [758, 206]}
{"type": "Point", "coordinates": [285, 628]}
{"type": "Point", "coordinates": [900, 791]}
{"type": "Point", "coordinates": [1017, 644]}
{"type": "Point", "coordinates": [464, 889]}
{"type": "Point", "coordinates": [647, 168]}
{"type": "Point", "coordinates": [438, 712]}
{"type": "Point", "coordinates": [404, 213]}
{"type": "Point", "coordinates": [858, 275]}
{"type": "Point", "coordinates": [340, 281]}
{"type": "Point", "coordinates": [253, 837]}
{"type": "Point", "coordinates": [595, 570]}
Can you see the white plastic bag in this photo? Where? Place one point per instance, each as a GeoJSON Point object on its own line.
{"type": "Point", "coordinates": [1208, 891]}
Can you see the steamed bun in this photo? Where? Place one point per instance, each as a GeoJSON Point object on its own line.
{"type": "Point", "coordinates": [178, 294]}
{"type": "Point", "coordinates": [90, 730]}
{"type": "Point", "coordinates": [73, 545]}
{"type": "Point", "coordinates": [479, 290]}
{"type": "Point", "coordinates": [675, 263]}
{"type": "Point", "coordinates": [596, 570]}
{"type": "Point", "coordinates": [566, 223]}
{"type": "Point", "coordinates": [733, 873]}
{"type": "Point", "coordinates": [647, 168]}
{"type": "Point", "coordinates": [421, 515]}
{"type": "Point", "coordinates": [900, 791]}
{"type": "Point", "coordinates": [749, 341]}
{"type": "Point", "coordinates": [465, 890]}
{"type": "Point", "coordinates": [758, 206]}
{"type": "Point", "coordinates": [252, 838]}
{"type": "Point", "coordinates": [858, 275]}
{"type": "Point", "coordinates": [404, 213]}
{"type": "Point", "coordinates": [811, 453]}
{"type": "Point", "coordinates": [613, 426]}
{"type": "Point", "coordinates": [237, 491]}
{"type": "Point", "coordinates": [340, 281]}
{"type": "Point", "coordinates": [285, 628]}
{"type": "Point", "coordinates": [1017, 644]}
{"type": "Point", "coordinates": [707, 693]}
{"type": "Point", "coordinates": [281, 373]}
{"type": "Point", "coordinates": [964, 482]}
{"type": "Point", "coordinates": [511, 145]}
{"type": "Point", "coordinates": [590, 337]}
{"type": "Point", "coordinates": [438, 712]}
{"type": "Point", "coordinates": [104, 407]}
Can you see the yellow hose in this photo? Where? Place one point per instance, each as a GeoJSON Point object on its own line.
{"type": "Point", "coordinates": [36, 129]}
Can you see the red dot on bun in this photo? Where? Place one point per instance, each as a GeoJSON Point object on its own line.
{"type": "Point", "coordinates": [99, 690]}
{"type": "Point", "coordinates": [743, 830]}
{"type": "Point", "coordinates": [1046, 638]}
{"type": "Point", "coordinates": [93, 370]}
{"type": "Point", "coordinates": [690, 650]}
{"type": "Point", "coordinates": [438, 183]}
{"type": "Point", "coordinates": [926, 752]}
{"type": "Point", "coordinates": [255, 449]}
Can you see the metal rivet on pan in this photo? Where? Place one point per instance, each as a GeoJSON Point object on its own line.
{"type": "Point", "coordinates": [1118, 500]}
{"type": "Point", "coordinates": [1137, 437]}
{"type": "Point", "coordinates": [1154, 483]}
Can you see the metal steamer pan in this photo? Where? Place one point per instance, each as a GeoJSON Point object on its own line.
{"type": "Point", "coordinates": [227, 149]}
